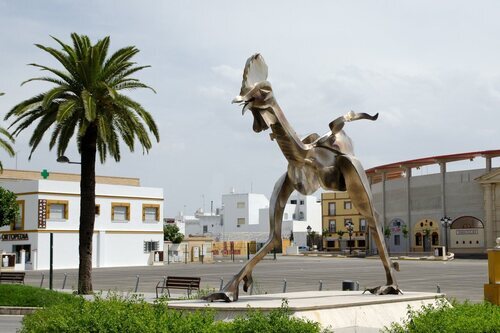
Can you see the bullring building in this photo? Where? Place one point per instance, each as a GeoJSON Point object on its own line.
{"type": "Point", "coordinates": [458, 209]}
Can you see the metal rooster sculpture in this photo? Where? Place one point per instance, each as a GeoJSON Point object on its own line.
{"type": "Point", "coordinates": [316, 161]}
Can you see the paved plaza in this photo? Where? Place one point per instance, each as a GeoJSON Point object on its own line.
{"type": "Point", "coordinates": [461, 278]}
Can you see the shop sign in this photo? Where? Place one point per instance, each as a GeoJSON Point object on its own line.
{"type": "Point", "coordinates": [14, 237]}
{"type": "Point", "coordinates": [467, 232]}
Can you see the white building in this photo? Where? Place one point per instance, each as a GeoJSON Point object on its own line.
{"type": "Point", "coordinates": [128, 227]}
{"type": "Point", "coordinates": [245, 216]}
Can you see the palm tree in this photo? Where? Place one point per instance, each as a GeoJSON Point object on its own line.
{"type": "Point", "coordinates": [4, 143]}
{"type": "Point", "coordinates": [86, 102]}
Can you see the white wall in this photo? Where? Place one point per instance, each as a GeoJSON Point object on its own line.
{"type": "Point", "coordinates": [115, 243]}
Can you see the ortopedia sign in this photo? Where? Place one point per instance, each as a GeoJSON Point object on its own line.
{"type": "Point", "coordinates": [14, 237]}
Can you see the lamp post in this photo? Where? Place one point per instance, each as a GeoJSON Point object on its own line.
{"type": "Point", "coordinates": [64, 159]}
{"type": "Point", "coordinates": [350, 228]}
{"type": "Point", "coordinates": [446, 222]}
{"type": "Point", "coordinates": [309, 236]}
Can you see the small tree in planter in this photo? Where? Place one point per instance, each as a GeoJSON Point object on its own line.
{"type": "Point", "coordinates": [9, 209]}
{"type": "Point", "coordinates": [405, 232]}
{"type": "Point", "coordinates": [340, 233]}
{"type": "Point", "coordinates": [387, 236]}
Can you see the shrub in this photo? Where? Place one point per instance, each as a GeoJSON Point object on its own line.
{"type": "Point", "coordinates": [443, 318]}
{"type": "Point", "coordinates": [134, 315]}
{"type": "Point", "coordinates": [21, 295]}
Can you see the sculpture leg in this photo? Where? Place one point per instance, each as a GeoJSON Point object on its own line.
{"type": "Point", "coordinates": [359, 191]}
{"type": "Point", "coordinates": [282, 191]}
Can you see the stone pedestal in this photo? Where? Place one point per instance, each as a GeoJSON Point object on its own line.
{"type": "Point", "coordinates": [492, 289]}
{"type": "Point", "coordinates": [343, 311]}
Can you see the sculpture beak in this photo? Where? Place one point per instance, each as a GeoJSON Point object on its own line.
{"type": "Point", "coordinates": [237, 99]}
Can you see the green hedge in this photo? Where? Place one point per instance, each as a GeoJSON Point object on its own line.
{"type": "Point", "coordinates": [458, 318]}
{"type": "Point", "coordinates": [132, 315]}
{"type": "Point", "coordinates": [21, 295]}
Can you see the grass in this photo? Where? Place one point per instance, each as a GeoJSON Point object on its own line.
{"type": "Point", "coordinates": [28, 296]}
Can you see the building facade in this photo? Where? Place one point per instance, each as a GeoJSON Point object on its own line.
{"type": "Point", "coordinates": [128, 224]}
{"type": "Point", "coordinates": [245, 217]}
{"type": "Point", "coordinates": [343, 227]}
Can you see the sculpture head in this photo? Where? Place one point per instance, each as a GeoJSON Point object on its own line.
{"type": "Point", "coordinates": [256, 93]}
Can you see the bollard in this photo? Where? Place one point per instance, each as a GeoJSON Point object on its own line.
{"type": "Point", "coordinates": [168, 254]}
{"type": "Point", "coordinates": [248, 251]}
{"type": "Point", "coordinates": [64, 281]}
{"type": "Point", "coordinates": [274, 253]}
{"type": "Point", "coordinates": [350, 285]}
{"type": "Point", "coordinates": [284, 285]}
{"type": "Point", "coordinates": [41, 282]}
{"type": "Point", "coordinates": [136, 284]}
{"type": "Point", "coordinates": [320, 285]}
{"type": "Point", "coordinates": [185, 254]}
{"type": "Point", "coordinates": [164, 280]}
{"type": "Point", "coordinates": [438, 287]}
{"type": "Point", "coordinates": [221, 283]}
{"type": "Point", "coordinates": [251, 289]}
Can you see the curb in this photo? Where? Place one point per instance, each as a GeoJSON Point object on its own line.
{"type": "Point", "coordinates": [17, 310]}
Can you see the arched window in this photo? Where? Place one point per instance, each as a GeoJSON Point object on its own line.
{"type": "Point", "coordinates": [418, 239]}
{"type": "Point", "coordinates": [435, 239]}
{"type": "Point", "coordinates": [467, 222]}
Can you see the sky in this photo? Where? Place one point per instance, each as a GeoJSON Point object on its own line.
{"type": "Point", "coordinates": [431, 69]}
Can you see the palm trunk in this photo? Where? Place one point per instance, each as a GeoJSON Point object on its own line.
{"type": "Point", "coordinates": [87, 209]}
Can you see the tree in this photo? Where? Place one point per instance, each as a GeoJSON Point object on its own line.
{"type": "Point", "coordinates": [405, 232]}
{"type": "Point", "coordinates": [387, 236]}
{"type": "Point", "coordinates": [87, 102]}
{"type": "Point", "coordinates": [5, 143]}
{"type": "Point", "coordinates": [9, 209]}
{"type": "Point", "coordinates": [171, 233]}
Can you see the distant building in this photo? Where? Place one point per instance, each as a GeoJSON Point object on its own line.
{"type": "Point", "coordinates": [128, 228]}
{"type": "Point", "coordinates": [245, 217]}
{"type": "Point", "coordinates": [412, 207]}
{"type": "Point", "coordinates": [338, 212]}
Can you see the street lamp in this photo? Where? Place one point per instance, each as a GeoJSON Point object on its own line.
{"type": "Point", "coordinates": [64, 159]}
{"type": "Point", "coordinates": [309, 243]}
{"type": "Point", "coordinates": [350, 228]}
{"type": "Point", "coordinates": [446, 222]}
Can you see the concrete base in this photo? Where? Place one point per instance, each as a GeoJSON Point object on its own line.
{"type": "Point", "coordinates": [343, 311]}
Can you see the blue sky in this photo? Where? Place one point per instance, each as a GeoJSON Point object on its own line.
{"type": "Point", "coordinates": [430, 68]}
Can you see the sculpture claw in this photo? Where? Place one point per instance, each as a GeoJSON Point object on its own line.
{"type": "Point", "coordinates": [217, 296]}
{"type": "Point", "coordinates": [248, 282]}
{"type": "Point", "coordinates": [384, 290]}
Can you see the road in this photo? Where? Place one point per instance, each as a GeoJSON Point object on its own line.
{"type": "Point", "coordinates": [461, 278]}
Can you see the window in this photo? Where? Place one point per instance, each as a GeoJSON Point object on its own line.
{"type": "Point", "coordinates": [97, 210]}
{"type": "Point", "coordinates": [293, 202]}
{"type": "Point", "coordinates": [150, 246]}
{"type": "Point", "coordinates": [418, 239]}
{"type": "Point", "coordinates": [241, 221]}
{"type": "Point", "coordinates": [347, 205]}
{"type": "Point", "coordinates": [330, 243]}
{"type": "Point", "coordinates": [435, 239]}
{"type": "Point", "coordinates": [362, 225]}
{"type": "Point", "coordinates": [205, 229]}
{"type": "Point", "coordinates": [301, 216]}
{"type": "Point", "coordinates": [351, 243]}
{"type": "Point", "coordinates": [301, 202]}
{"type": "Point", "coordinates": [332, 226]}
{"type": "Point", "coordinates": [331, 208]}
{"type": "Point", "coordinates": [347, 222]}
{"type": "Point", "coordinates": [240, 204]}
{"type": "Point", "coordinates": [19, 222]}
{"type": "Point", "coordinates": [120, 211]}
{"type": "Point", "coordinates": [57, 210]}
{"type": "Point", "coordinates": [361, 243]}
{"type": "Point", "coordinates": [397, 240]}
{"type": "Point", "coordinates": [150, 213]}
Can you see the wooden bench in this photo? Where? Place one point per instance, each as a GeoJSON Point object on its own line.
{"type": "Point", "coordinates": [12, 277]}
{"type": "Point", "coordinates": [178, 282]}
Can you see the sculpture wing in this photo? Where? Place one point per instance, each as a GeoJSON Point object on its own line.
{"type": "Point", "coordinates": [255, 71]}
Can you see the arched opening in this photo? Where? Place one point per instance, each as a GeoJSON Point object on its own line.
{"type": "Point", "coordinates": [435, 239]}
